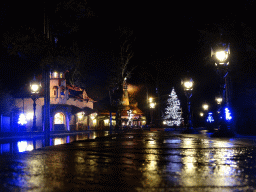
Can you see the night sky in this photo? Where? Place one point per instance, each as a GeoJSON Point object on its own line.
{"type": "Point", "coordinates": [170, 39]}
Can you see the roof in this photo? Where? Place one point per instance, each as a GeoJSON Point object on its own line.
{"type": "Point", "coordinates": [75, 89]}
{"type": "Point", "coordinates": [72, 87]}
{"type": "Point", "coordinates": [71, 108]}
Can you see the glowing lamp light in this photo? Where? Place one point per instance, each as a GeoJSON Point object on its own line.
{"type": "Point", "coordinates": [221, 55]}
{"type": "Point", "coordinates": [205, 107]}
{"type": "Point", "coordinates": [35, 86]}
{"type": "Point", "coordinates": [188, 84]}
{"type": "Point", "coordinates": [152, 105]}
{"type": "Point", "coordinates": [201, 114]}
{"type": "Point", "coordinates": [218, 100]}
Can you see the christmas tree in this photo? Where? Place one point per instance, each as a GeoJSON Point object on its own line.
{"type": "Point", "coordinates": [173, 110]}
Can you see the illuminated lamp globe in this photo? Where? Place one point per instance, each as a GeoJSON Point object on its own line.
{"type": "Point", "coordinates": [35, 86]}
{"type": "Point", "coordinates": [218, 100]}
{"type": "Point", "coordinates": [152, 105]}
{"type": "Point", "coordinates": [205, 107]}
{"type": "Point", "coordinates": [188, 84]}
{"type": "Point", "coordinates": [221, 55]}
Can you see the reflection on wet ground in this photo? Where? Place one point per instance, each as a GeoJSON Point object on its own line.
{"type": "Point", "coordinates": [135, 161]}
{"type": "Point", "coordinates": [30, 143]}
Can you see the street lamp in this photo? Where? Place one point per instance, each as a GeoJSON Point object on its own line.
{"type": "Point", "coordinates": [218, 99]}
{"type": "Point", "coordinates": [188, 87]}
{"type": "Point", "coordinates": [221, 55]}
{"type": "Point", "coordinates": [152, 105]}
{"type": "Point", "coordinates": [35, 87]}
{"type": "Point", "coordinates": [205, 106]}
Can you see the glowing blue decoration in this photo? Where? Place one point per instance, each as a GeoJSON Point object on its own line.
{"type": "Point", "coordinates": [22, 145]}
{"type": "Point", "coordinates": [22, 119]}
{"type": "Point", "coordinates": [228, 114]}
{"type": "Point", "coordinates": [210, 118]}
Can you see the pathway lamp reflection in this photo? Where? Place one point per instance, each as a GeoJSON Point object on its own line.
{"type": "Point", "coordinates": [35, 88]}
{"type": "Point", "coordinates": [188, 84]}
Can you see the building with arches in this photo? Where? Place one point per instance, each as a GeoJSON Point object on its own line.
{"type": "Point", "coordinates": [71, 108]}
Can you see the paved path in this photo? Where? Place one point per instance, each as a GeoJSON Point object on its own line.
{"type": "Point", "coordinates": [135, 161]}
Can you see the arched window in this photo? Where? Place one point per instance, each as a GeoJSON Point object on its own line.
{"type": "Point", "coordinates": [55, 91]}
{"type": "Point", "coordinates": [59, 118]}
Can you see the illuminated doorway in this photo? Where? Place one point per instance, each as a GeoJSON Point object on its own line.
{"type": "Point", "coordinates": [59, 121]}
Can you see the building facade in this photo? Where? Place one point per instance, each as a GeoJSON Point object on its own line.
{"type": "Point", "coordinates": [70, 107]}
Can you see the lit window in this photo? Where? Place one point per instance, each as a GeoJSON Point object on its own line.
{"type": "Point", "coordinates": [55, 74]}
{"type": "Point", "coordinates": [61, 75]}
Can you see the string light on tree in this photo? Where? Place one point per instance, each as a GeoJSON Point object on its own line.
{"type": "Point", "coordinates": [173, 110]}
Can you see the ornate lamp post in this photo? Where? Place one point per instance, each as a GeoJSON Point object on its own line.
{"type": "Point", "coordinates": [151, 106]}
{"type": "Point", "coordinates": [35, 87]}
{"type": "Point", "coordinates": [188, 87]}
{"type": "Point", "coordinates": [221, 54]}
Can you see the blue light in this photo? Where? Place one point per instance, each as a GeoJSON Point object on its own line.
{"type": "Point", "coordinates": [210, 118]}
{"type": "Point", "coordinates": [22, 145]}
{"type": "Point", "coordinates": [22, 119]}
{"type": "Point", "coordinates": [228, 114]}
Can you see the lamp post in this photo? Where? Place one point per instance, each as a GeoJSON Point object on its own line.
{"type": "Point", "coordinates": [151, 106]}
{"type": "Point", "coordinates": [218, 100]}
{"type": "Point", "coordinates": [188, 87]}
{"type": "Point", "coordinates": [35, 87]}
{"type": "Point", "coordinates": [221, 54]}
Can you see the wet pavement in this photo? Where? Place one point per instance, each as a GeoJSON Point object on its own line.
{"type": "Point", "coordinates": [135, 161]}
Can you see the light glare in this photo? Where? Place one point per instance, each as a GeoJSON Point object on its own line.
{"type": "Point", "coordinates": [34, 88]}
{"type": "Point", "coordinates": [221, 55]}
{"type": "Point", "coordinates": [188, 84]}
